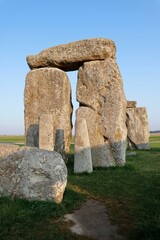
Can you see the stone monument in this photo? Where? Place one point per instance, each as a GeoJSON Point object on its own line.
{"type": "Point", "coordinates": [137, 126]}
{"type": "Point", "coordinates": [100, 95]}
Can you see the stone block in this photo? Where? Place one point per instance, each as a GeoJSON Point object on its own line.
{"type": "Point", "coordinates": [82, 149]}
{"type": "Point", "coordinates": [71, 56]}
{"type": "Point", "coordinates": [101, 149]}
{"type": "Point", "coordinates": [33, 174]}
{"type": "Point", "coordinates": [100, 88]}
{"type": "Point", "coordinates": [46, 132]}
{"type": "Point", "coordinates": [138, 128]}
{"type": "Point", "coordinates": [47, 91]}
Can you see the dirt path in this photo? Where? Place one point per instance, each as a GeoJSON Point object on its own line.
{"type": "Point", "coordinates": [92, 220]}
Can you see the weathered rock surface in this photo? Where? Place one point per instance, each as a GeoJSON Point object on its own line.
{"type": "Point", "coordinates": [138, 128]}
{"type": "Point", "coordinates": [72, 55]}
{"type": "Point", "coordinates": [100, 88]}
{"type": "Point", "coordinates": [7, 149]}
{"type": "Point", "coordinates": [101, 149]}
{"type": "Point", "coordinates": [82, 153]}
{"type": "Point", "coordinates": [46, 132]}
{"type": "Point", "coordinates": [131, 104]}
{"type": "Point", "coordinates": [47, 91]}
{"type": "Point", "coordinates": [33, 174]}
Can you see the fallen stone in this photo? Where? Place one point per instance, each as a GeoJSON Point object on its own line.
{"type": "Point", "coordinates": [100, 88]}
{"type": "Point", "coordinates": [48, 91]}
{"type": "Point", "coordinates": [59, 143]}
{"type": "Point", "coordinates": [82, 154]}
{"type": "Point", "coordinates": [138, 128]}
{"type": "Point", "coordinates": [33, 174]}
{"type": "Point", "coordinates": [71, 56]}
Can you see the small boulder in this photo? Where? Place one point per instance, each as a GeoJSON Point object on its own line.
{"type": "Point", "coordinates": [33, 174]}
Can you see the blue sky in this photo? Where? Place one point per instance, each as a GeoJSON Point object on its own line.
{"type": "Point", "coordinates": [29, 26]}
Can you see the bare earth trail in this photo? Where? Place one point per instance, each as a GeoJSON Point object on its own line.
{"type": "Point", "coordinates": [92, 220]}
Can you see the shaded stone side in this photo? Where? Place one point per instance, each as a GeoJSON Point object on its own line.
{"type": "Point", "coordinates": [71, 56]}
{"type": "Point", "coordinates": [100, 88]}
{"type": "Point", "coordinates": [47, 91]}
{"type": "Point", "coordinates": [138, 128]}
{"type": "Point", "coordinates": [102, 155]}
{"type": "Point", "coordinates": [82, 148]}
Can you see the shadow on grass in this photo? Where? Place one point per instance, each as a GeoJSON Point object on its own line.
{"type": "Point", "coordinates": [131, 192]}
{"type": "Point", "coordinates": [37, 220]}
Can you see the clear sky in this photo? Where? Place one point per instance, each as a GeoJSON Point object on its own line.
{"type": "Point", "coordinates": [29, 26]}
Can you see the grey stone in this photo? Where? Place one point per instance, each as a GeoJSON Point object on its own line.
{"type": "Point", "coordinates": [72, 55]}
{"type": "Point", "coordinates": [33, 174]}
{"type": "Point", "coordinates": [102, 155]}
{"type": "Point", "coordinates": [47, 91]}
{"type": "Point", "coordinates": [82, 155]}
{"type": "Point", "coordinates": [100, 88]}
{"type": "Point", "coordinates": [138, 128]}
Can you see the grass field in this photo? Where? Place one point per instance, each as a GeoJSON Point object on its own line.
{"type": "Point", "coordinates": [131, 194]}
{"type": "Point", "coordinates": [12, 139]}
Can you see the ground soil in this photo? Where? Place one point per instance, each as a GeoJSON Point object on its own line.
{"type": "Point", "coordinates": [92, 220]}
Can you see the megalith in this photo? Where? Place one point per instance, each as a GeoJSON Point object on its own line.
{"type": "Point", "coordinates": [71, 56]}
{"type": "Point", "coordinates": [46, 132]}
{"type": "Point", "coordinates": [82, 154]}
{"type": "Point", "coordinates": [101, 150]}
{"type": "Point", "coordinates": [47, 92]}
{"type": "Point", "coordinates": [137, 127]}
{"type": "Point", "coordinates": [100, 93]}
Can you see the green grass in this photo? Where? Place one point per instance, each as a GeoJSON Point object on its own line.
{"type": "Point", "coordinates": [131, 193]}
{"type": "Point", "coordinates": [12, 139]}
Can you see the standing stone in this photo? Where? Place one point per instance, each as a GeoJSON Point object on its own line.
{"type": "Point", "coordinates": [46, 132]}
{"type": "Point", "coordinates": [138, 128]}
{"type": "Point", "coordinates": [82, 156]}
{"type": "Point", "coordinates": [100, 88]}
{"type": "Point", "coordinates": [47, 91]}
{"type": "Point", "coordinates": [71, 56]}
{"type": "Point", "coordinates": [59, 142]}
{"type": "Point", "coordinates": [101, 149]}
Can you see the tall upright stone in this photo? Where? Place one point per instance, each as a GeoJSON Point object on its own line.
{"type": "Point", "coordinates": [100, 89]}
{"type": "Point", "coordinates": [137, 128]}
{"type": "Point", "coordinates": [46, 132]}
{"type": "Point", "coordinates": [101, 149]}
{"type": "Point", "coordinates": [47, 91]}
{"type": "Point", "coordinates": [82, 154]}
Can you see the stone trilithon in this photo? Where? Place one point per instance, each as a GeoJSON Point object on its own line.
{"type": "Point", "coordinates": [102, 110]}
